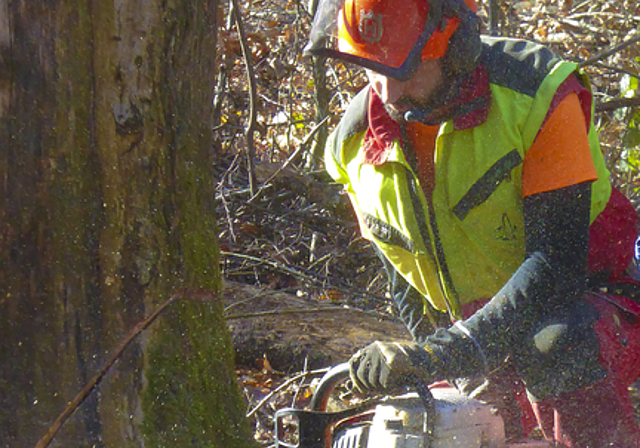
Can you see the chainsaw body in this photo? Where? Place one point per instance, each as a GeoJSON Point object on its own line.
{"type": "Point", "coordinates": [436, 418]}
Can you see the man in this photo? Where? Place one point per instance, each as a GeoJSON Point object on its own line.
{"type": "Point", "coordinates": [473, 166]}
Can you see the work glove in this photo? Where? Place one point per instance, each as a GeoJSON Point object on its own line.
{"type": "Point", "coordinates": [391, 366]}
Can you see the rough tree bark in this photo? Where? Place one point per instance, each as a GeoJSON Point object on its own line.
{"type": "Point", "coordinates": [105, 210]}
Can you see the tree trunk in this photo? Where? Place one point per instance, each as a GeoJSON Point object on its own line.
{"type": "Point", "coordinates": [106, 208]}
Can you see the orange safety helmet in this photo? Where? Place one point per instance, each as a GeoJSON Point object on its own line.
{"type": "Point", "coordinates": [391, 37]}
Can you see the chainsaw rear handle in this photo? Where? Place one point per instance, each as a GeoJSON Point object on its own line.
{"type": "Point", "coordinates": [340, 373]}
{"type": "Point", "coordinates": [314, 425]}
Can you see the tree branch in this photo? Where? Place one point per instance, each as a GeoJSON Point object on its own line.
{"type": "Point", "coordinates": [251, 79]}
{"type": "Point", "coordinates": [325, 309]}
{"type": "Point", "coordinates": [273, 264]}
{"type": "Point", "coordinates": [306, 274]}
{"type": "Point", "coordinates": [293, 155]}
{"type": "Point", "coordinates": [617, 104]}
{"type": "Point", "coordinates": [615, 49]}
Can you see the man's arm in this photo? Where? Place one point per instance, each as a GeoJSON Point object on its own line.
{"type": "Point", "coordinates": [557, 176]}
{"type": "Point", "coordinates": [409, 303]}
{"type": "Point", "coordinates": [548, 283]}
{"type": "Point", "coordinates": [550, 280]}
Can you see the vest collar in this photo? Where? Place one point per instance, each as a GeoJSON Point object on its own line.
{"type": "Point", "coordinates": [382, 132]}
{"type": "Point", "coordinates": [470, 109]}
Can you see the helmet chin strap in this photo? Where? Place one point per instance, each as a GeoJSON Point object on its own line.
{"type": "Point", "coordinates": [419, 115]}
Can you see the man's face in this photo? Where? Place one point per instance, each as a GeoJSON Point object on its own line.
{"type": "Point", "coordinates": [400, 97]}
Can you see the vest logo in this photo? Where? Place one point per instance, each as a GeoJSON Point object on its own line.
{"type": "Point", "coordinates": [370, 26]}
{"type": "Point", "coordinates": [506, 231]}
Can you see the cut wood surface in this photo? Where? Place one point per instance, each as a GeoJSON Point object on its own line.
{"type": "Point", "coordinates": [288, 330]}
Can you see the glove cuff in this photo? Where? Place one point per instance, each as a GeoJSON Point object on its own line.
{"type": "Point", "coordinates": [455, 353]}
{"type": "Point", "coordinates": [427, 360]}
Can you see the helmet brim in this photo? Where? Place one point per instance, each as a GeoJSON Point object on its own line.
{"type": "Point", "coordinates": [317, 47]}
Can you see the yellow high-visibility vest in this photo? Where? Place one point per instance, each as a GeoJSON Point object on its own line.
{"type": "Point", "coordinates": [467, 240]}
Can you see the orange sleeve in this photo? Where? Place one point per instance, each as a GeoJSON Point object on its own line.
{"type": "Point", "coordinates": [560, 155]}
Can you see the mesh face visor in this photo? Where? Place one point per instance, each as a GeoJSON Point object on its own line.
{"type": "Point", "coordinates": [388, 37]}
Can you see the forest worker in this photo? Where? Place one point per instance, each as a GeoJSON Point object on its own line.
{"type": "Point", "coordinates": [474, 167]}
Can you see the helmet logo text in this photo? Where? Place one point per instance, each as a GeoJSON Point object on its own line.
{"type": "Point", "coordinates": [370, 26]}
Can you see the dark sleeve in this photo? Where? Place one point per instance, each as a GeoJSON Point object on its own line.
{"type": "Point", "coordinates": [551, 278]}
{"type": "Point", "coordinates": [409, 303]}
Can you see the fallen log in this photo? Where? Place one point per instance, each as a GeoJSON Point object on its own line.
{"type": "Point", "coordinates": [290, 331]}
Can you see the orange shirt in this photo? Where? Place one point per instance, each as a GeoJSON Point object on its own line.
{"type": "Point", "coordinates": [559, 157]}
{"type": "Point", "coordinates": [423, 140]}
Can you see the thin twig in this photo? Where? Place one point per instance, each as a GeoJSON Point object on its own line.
{"type": "Point", "coordinates": [221, 84]}
{"type": "Point", "coordinates": [222, 197]}
{"type": "Point", "coordinates": [577, 26]}
{"type": "Point", "coordinates": [616, 70]}
{"type": "Point", "coordinates": [293, 155]}
{"type": "Point", "coordinates": [308, 275]}
{"type": "Point", "coordinates": [305, 369]}
{"type": "Point", "coordinates": [256, 296]}
{"type": "Point", "coordinates": [269, 262]}
{"type": "Point", "coordinates": [251, 79]}
{"type": "Point", "coordinates": [615, 49]}
{"type": "Point", "coordinates": [134, 333]}
{"type": "Point", "coordinates": [328, 309]}
{"type": "Point", "coordinates": [283, 385]}
{"type": "Point", "coordinates": [609, 15]}
{"type": "Point", "coordinates": [284, 312]}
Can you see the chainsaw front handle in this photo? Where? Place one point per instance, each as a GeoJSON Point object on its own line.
{"type": "Point", "coordinates": [314, 426]}
{"type": "Point", "coordinates": [327, 383]}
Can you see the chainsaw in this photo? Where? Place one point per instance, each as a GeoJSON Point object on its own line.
{"type": "Point", "coordinates": [423, 418]}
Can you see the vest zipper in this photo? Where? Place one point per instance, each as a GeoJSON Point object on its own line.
{"type": "Point", "coordinates": [444, 277]}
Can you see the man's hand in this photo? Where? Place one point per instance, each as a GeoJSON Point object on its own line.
{"type": "Point", "coordinates": [389, 366]}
